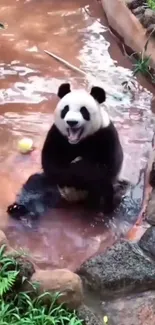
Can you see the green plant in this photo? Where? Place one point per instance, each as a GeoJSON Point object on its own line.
{"type": "Point", "coordinates": [8, 271]}
{"type": "Point", "coordinates": [151, 4]}
{"type": "Point", "coordinates": [142, 64]}
{"type": "Point", "coordinates": [25, 308]}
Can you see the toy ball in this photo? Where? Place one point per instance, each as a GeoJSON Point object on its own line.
{"type": "Point", "coordinates": [25, 145]}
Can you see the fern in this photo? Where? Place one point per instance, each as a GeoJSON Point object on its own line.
{"type": "Point", "coordinates": [7, 280]}
{"type": "Point", "coordinates": [7, 276]}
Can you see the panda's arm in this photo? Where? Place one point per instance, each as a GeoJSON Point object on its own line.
{"type": "Point", "coordinates": [56, 159]}
{"type": "Point", "coordinates": [107, 157]}
{"type": "Point", "coordinates": [56, 163]}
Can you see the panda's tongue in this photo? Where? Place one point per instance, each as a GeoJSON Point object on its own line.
{"type": "Point", "coordinates": [73, 134]}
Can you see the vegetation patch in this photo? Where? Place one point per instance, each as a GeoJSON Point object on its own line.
{"type": "Point", "coordinates": [26, 308]}
{"type": "Point", "coordinates": [151, 4]}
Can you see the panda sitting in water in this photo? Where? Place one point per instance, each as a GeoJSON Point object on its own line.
{"type": "Point", "coordinates": [81, 157]}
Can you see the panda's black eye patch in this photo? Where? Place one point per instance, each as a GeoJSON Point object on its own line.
{"type": "Point", "coordinates": [64, 111]}
{"type": "Point", "coordinates": [85, 113]}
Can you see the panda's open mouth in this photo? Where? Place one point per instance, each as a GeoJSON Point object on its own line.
{"type": "Point", "coordinates": [74, 134]}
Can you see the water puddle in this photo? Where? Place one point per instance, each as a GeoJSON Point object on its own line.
{"type": "Point", "coordinates": [29, 80]}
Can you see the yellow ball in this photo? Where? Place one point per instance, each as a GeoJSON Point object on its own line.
{"type": "Point", "coordinates": [25, 145]}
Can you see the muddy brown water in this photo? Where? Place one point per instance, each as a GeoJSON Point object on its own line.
{"type": "Point", "coordinates": [78, 32]}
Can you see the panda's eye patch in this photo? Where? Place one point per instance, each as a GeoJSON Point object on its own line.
{"type": "Point", "coordinates": [64, 111]}
{"type": "Point", "coordinates": [85, 113]}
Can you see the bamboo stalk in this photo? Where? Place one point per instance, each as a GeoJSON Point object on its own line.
{"type": "Point", "coordinates": [69, 65]}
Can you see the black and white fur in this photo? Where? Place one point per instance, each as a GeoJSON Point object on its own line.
{"type": "Point", "coordinates": [82, 155]}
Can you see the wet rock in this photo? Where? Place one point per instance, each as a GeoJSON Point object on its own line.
{"type": "Point", "coordinates": [150, 210]}
{"type": "Point", "coordinates": [88, 316]}
{"type": "Point", "coordinates": [147, 242]}
{"type": "Point", "coordinates": [149, 18]}
{"type": "Point", "coordinates": [132, 310]}
{"type": "Point", "coordinates": [123, 268]}
{"type": "Point", "coordinates": [60, 280]}
{"type": "Point", "coordinates": [133, 4]}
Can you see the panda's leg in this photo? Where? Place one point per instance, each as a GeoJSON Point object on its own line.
{"type": "Point", "coordinates": [101, 197]}
{"type": "Point", "coordinates": [94, 196]}
{"type": "Point", "coordinates": [35, 198]}
{"type": "Point", "coordinates": [113, 194]}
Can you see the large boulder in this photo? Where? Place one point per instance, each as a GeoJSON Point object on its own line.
{"type": "Point", "coordinates": [63, 281]}
{"type": "Point", "coordinates": [123, 268]}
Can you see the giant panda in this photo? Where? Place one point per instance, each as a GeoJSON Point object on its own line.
{"type": "Point", "coordinates": [81, 157]}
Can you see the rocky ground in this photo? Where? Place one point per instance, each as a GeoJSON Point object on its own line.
{"type": "Point", "coordinates": [145, 15]}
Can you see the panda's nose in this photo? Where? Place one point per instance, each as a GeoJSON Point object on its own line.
{"type": "Point", "coordinates": [72, 123]}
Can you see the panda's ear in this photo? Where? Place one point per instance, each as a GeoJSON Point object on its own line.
{"type": "Point", "coordinates": [63, 90]}
{"type": "Point", "coordinates": [99, 94]}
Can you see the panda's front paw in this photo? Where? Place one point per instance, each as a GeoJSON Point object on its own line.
{"type": "Point", "coordinates": [16, 210]}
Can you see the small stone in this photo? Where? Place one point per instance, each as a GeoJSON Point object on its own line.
{"type": "Point", "coordinates": [60, 280]}
{"type": "Point", "coordinates": [147, 242]}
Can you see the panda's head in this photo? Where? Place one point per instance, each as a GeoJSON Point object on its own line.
{"type": "Point", "coordinates": [78, 113]}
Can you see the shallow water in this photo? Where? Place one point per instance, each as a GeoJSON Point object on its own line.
{"type": "Point", "coordinates": [75, 30]}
